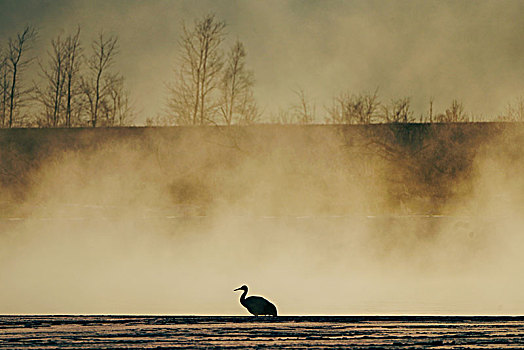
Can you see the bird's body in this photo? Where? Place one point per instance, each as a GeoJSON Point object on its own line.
{"type": "Point", "coordinates": [257, 305]}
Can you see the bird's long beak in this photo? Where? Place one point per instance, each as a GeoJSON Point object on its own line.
{"type": "Point", "coordinates": [237, 289]}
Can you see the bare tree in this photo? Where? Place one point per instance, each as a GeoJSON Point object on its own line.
{"type": "Point", "coordinates": [430, 110]}
{"type": "Point", "coordinates": [4, 88]}
{"type": "Point", "coordinates": [399, 111]}
{"type": "Point", "coordinates": [191, 100]}
{"type": "Point", "coordinates": [181, 102]}
{"type": "Point", "coordinates": [455, 113]}
{"type": "Point", "coordinates": [96, 84]}
{"type": "Point", "coordinates": [283, 117]}
{"type": "Point", "coordinates": [115, 107]}
{"type": "Point", "coordinates": [303, 110]}
{"type": "Point", "coordinates": [58, 96]}
{"type": "Point", "coordinates": [72, 67]}
{"type": "Point", "coordinates": [514, 112]}
{"type": "Point", "coordinates": [248, 110]}
{"type": "Point", "coordinates": [238, 103]}
{"type": "Point", "coordinates": [51, 95]}
{"type": "Point", "coordinates": [354, 109]}
{"type": "Point", "coordinates": [17, 63]}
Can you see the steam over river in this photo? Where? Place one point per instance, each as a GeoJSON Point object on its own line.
{"type": "Point", "coordinates": [345, 265]}
{"type": "Point", "coordinates": [388, 265]}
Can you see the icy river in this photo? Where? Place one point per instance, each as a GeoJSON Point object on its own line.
{"type": "Point", "coordinates": [244, 332]}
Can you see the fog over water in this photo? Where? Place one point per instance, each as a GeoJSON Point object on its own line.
{"type": "Point", "coordinates": [468, 50]}
{"type": "Point", "coordinates": [102, 230]}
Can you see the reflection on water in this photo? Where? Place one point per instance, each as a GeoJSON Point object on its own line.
{"type": "Point", "coordinates": [199, 332]}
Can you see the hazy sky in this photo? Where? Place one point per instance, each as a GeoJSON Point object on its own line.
{"type": "Point", "coordinates": [469, 50]}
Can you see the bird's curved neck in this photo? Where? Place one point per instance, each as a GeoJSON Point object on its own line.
{"type": "Point", "coordinates": [243, 296]}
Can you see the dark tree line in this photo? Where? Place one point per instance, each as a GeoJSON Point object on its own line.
{"type": "Point", "coordinates": [75, 87]}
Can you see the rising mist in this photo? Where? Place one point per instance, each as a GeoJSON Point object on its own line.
{"type": "Point", "coordinates": [317, 218]}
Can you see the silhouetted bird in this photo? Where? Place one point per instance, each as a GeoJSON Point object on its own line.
{"type": "Point", "coordinates": [256, 305]}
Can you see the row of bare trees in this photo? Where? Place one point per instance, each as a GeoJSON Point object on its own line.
{"type": "Point", "coordinates": [79, 86]}
{"type": "Point", "coordinates": [59, 92]}
{"type": "Point", "coordinates": [514, 111]}
{"type": "Point", "coordinates": [211, 87]}
{"type": "Point", "coordinates": [75, 88]}
{"type": "Point", "coordinates": [216, 88]}
{"type": "Point", "coordinates": [365, 108]}
{"type": "Point", "coordinates": [14, 62]}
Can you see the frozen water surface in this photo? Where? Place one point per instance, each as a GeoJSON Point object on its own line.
{"type": "Point", "coordinates": [284, 332]}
